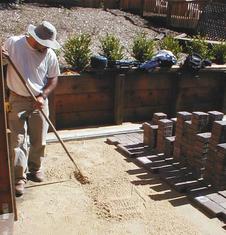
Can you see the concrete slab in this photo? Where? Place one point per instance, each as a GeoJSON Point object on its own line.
{"type": "Point", "coordinates": [94, 132]}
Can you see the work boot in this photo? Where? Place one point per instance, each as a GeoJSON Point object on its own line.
{"type": "Point", "coordinates": [19, 188]}
{"type": "Point", "coordinates": [36, 176]}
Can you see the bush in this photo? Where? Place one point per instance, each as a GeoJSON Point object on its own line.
{"type": "Point", "coordinates": [219, 53]}
{"type": "Point", "coordinates": [171, 44]}
{"type": "Point", "coordinates": [111, 47]}
{"type": "Point", "coordinates": [143, 48]}
{"type": "Point", "coordinates": [77, 51]}
{"type": "Point", "coordinates": [200, 46]}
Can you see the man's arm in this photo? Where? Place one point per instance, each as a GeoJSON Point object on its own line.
{"type": "Point", "coordinates": [49, 87]}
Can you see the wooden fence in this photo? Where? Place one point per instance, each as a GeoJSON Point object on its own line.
{"type": "Point", "coordinates": [132, 5]}
{"type": "Point", "coordinates": [155, 8]}
{"type": "Point", "coordinates": [177, 13]}
{"type": "Point", "coordinates": [185, 14]}
{"type": "Point", "coordinates": [111, 3]}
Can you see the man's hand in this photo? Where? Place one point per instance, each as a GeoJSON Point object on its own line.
{"type": "Point", "coordinates": [5, 56]}
{"type": "Point", "coordinates": [39, 104]}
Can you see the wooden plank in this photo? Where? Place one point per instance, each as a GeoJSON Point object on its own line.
{"type": "Point", "coordinates": [200, 94]}
{"type": "Point", "coordinates": [148, 81]}
{"type": "Point", "coordinates": [144, 113]}
{"type": "Point", "coordinates": [139, 98]}
{"type": "Point", "coordinates": [83, 102]}
{"type": "Point", "coordinates": [83, 84]}
{"type": "Point", "coordinates": [205, 81]}
{"type": "Point", "coordinates": [69, 120]}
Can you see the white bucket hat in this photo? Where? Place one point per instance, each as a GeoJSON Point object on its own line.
{"type": "Point", "coordinates": [45, 34]}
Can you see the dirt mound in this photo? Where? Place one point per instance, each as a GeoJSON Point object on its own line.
{"type": "Point", "coordinates": [97, 22]}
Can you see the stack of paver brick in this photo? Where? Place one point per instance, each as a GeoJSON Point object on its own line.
{"type": "Point", "coordinates": [200, 154]}
{"type": "Point", "coordinates": [157, 117]}
{"type": "Point", "coordinates": [182, 117]}
{"type": "Point", "coordinates": [165, 129]}
{"type": "Point", "coordinates": [201, 145]}
{"type": "Point", "coordinates": [150, 134]}
{"type": "Point", "coordinates": [174, 120]}
{"type": "Point", "coordinates": [150, 130]}
{"type": "Point", "coordinates": [214, 116]}
{"type": "Point", "coordinates": [196, 145]}
{"type": "Point", "coordinates": [216, 158]}
{"type": "Point", "coordinates": [169, 146]}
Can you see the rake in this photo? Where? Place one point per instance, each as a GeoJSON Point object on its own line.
{"type": "Point", "coordinates": [77, 173]}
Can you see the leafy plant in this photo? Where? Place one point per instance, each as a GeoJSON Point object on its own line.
{"type": "Point", "coordinates": [111, 47]}
{"type": "Point", "coordinates": [77, 51]}
{"type": "Point", "coordinates": [143, 48]}
{"type": "Point", "coordinates": [219, 53]}
{"type": "Point", "coordinates": [200, 46]}
{"type": "Point", "coordinates": [58, 52]}
{"type": "Point", "coordinates": [171, 44]}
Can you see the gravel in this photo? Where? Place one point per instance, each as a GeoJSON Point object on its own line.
{"type": "Point", "coordinates": [97, 22]}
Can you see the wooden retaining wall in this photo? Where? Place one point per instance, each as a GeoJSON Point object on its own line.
{"type": "Point", "coordinates": [111, 98]}
{"type": "Point", "coordinates": [84, 100]}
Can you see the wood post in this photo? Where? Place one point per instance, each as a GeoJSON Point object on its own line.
{"type": "Point", "coordinates": [119, 98]}
{"type": "Point", "coordinates": [7, 198]}
{"type": "Point", "coordinates": [52, 110]}
{"type": "Point", "coordinates": [175, 95]}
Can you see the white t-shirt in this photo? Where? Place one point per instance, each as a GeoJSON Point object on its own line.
{"type": "Point", "coordinates": [35, 67]}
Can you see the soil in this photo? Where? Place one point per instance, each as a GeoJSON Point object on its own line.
{"type": "Point", "coordinates": [69, 22]}
{"type": "Point", "coordinates": [120, 199]}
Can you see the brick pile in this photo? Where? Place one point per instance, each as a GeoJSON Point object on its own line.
{"type": "Point", "coordinates": [199, 157]}
{"type": "Point", "coordinates": [199, 124]}
{"type": "Point", "coordinates": [150, 134]}
{"type": "Point", "coordinates": [151, 129]}
{"type": "Point", "coordinates": [216, 158]}
{"type": "Point", "coordinates": [174, 120]}
{"type": "Point", "coordinates": [214, 116]}
{"type": "Point", "coordinates": [157, 117]}
{"type": "Point", "coordinates": [169, 146]}
{"type": "Point", "coordinates": [182, 117]}
{"type": "Point", "coordinates": [165, 129]}
{"type": "Point", "coordinates": [199, 143]}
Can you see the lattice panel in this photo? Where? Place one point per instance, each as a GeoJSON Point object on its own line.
{"type": "Point", "coordinates": [212, 22]}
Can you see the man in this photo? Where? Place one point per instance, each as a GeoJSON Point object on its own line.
{"type": "Point", "coordinates": [34, 58]}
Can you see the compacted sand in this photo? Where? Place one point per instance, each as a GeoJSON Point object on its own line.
{"type": "Point", "coordinates": [121, 198]}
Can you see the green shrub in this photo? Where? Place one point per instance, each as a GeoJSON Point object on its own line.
{"type": "Point", "coordinates": [58, 52]}
{"type": "Point", "coordinates": [200, 46]}
{"type": "Point", "coordinates": [111, 47]}
{"type": "Point", "coordinates": [143, 48]}
{"type": "Point", "coordinates": [219, 53]}
{"type": "Point", "coordinates": [77, 51]}
{"type": "Point", "coordinates": [171, 44]}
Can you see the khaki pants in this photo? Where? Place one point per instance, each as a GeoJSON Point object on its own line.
{"type": "Point", "coordinates": [24, 121]}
